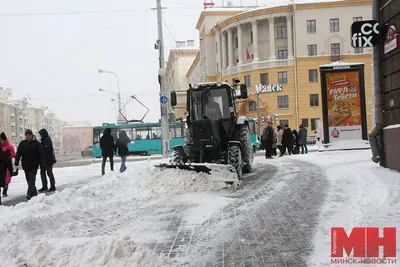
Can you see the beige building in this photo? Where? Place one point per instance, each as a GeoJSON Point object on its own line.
{"type": "Point", "coordinates": [281, 45]}
{"type": "Point", "coordinates": [18, 115]}
{"type": "Point", "coordinates": [179, 61]}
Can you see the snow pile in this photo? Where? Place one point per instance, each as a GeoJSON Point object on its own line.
{"type": "Point", "coordinates": [361, 194]}
{"type": "Point", "coordinates": [98, 251]}
{"type": "Point", "coordinates": [68, 228]}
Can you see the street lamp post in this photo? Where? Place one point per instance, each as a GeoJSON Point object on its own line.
{"type": "Point", "coordinates": [118, 95]}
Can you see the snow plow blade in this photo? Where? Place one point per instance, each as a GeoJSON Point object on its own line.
{"type": "Point", "coordinates": [217, 172]}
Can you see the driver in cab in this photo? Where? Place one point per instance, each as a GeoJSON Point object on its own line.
{"type": "Point", "coordinates": [213, 110]}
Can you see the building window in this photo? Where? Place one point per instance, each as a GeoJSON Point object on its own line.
{"type": "Point", "coordinates": [282, 123]}
{"type": "Point", "coordinates": [282, 77]}
{"type": "Point", "coordinates": [282, 32]}
{"type": "Point", "coordinates": [264, 78]}
{"type": "Point", "coordinates": [237, 61]}
{"type": "Point", "coordinates": [236, 42]}
{"type": "Point", "coordinates": [247, 81]}
{"type": "Point", "coordinates": [312, 49]}
{"type": "Point", "coordinates": [252, 56]}
{"type": "Point", "coordinates": [357, 19]}
{"type": "Point", "coordinates": [252, 106]}
{"type": "Point", "coordinates": [358, 50]}
{"type": "Point", "coordinates": [311, 26]}
{"type": "Point", "coordinates": [335, 52]}
{"type": "Point", "coordinates": [313, 75]}
{"type": "Point", "coordinates": [314, 100]}
{"type": "Point", "coordinates": [282, 54]}
{"type": "Point", "coordinates": [334, 25]}
{"type": "Point", "coordinates": [216, 48]}
{"type": "Point", "coordinates": [283, 101]}
{"type": "Point", "coordinates": [304, 122]}
{"type": "Point", "coordinates": [251, 37]}
{"type": "Point", "coordinates": [314, 124]}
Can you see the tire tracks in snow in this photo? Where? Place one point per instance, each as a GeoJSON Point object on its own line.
{"type": "Point", "coordinates": [272, 222]}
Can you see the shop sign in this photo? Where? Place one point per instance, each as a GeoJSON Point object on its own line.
{"type": "Point", "coordinates": [268, 88]}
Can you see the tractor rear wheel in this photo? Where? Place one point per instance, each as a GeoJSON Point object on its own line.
{"type": "Point", "coordinates": [243, 136]}
{"type": "Point", "coordinates": [176, 158]}
{"type": "Point", "coordinates": [235, 159]}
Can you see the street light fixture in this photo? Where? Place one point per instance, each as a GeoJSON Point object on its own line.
{"type": "Point", "coordinates": [118, 95]}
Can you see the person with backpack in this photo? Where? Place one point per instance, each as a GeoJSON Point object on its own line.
{"type": "Point", "coordinates": [107, 147]}
{"type": "Point", "coordinates": [121, 146]}
{"type": "Point", "coordinates": [6, 146]}
{"type": "Point", "coordinates": [49, 159]}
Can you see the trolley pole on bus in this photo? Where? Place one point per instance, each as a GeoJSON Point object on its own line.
{"type": "Point", "coordinates": [164, 101]}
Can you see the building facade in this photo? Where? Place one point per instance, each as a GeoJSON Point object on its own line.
{"type": "Point", "coordinates": [179, 61]}
{"type": "Point", "coordinates": [18, 115]}
{"type": "Point", "coordinates": [282, 46]}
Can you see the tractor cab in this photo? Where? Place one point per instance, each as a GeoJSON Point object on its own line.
{"type": "Point", "coordinates": [211, 116]}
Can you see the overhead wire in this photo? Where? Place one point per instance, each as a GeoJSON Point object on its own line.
{"type": "Point", "coordinates": [88, 12]}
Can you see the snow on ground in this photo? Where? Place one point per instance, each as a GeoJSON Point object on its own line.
{"type": "Point", "coordinates": [361, 194]}
{"type": "Point", "coordinates": [53, 230]}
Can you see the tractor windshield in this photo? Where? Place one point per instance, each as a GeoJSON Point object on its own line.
{"type": "Point", "coordinates": [212, 104]}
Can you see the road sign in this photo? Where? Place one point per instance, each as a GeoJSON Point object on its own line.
{"type": "Point", "coordinates": [268, 88]}
{"type": "Point", "coordinates": [391, 41]}
{"type": "Point", "coordinates": [365, 33]}
{"type": "Point", "coordinates": [163, 100]}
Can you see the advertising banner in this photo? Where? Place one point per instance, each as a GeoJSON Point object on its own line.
{"type": "Point", "coordinates": [344, 105]}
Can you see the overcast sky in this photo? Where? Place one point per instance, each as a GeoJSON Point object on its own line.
{"type": "Point", "coordinates": [54, 58]}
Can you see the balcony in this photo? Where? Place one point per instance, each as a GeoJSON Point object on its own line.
{"type": "Point", "coordinates": [258, 65]}
{"type": "Point", "coordinates": [335, 58]}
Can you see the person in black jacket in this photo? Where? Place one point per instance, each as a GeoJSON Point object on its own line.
{"type": "Point", "coordinates": [268, 140]}
{"type": "Point", "coordinates": [288, 139]}
{"type": "Point", "coordinates": [49, 159]}
{"type": "Point", "coordinates": [5, 164]}
{"type": "Point", "coordinates": [30, 152]}
{"type": "Point", "coordinates": [121, 146]}
{"type": "Point", "coordinates": [107, 147]}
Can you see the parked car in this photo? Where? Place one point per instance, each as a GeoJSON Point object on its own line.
{"type": "Point", "coordinates": [87, 152]}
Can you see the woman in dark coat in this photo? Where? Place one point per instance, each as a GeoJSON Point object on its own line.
{"type": "Point", "coordinates": [303, 139]}
{"type": "Point", "coordinates": [121, 146]}
{"type": "Point", "coordinates": [5, 164]}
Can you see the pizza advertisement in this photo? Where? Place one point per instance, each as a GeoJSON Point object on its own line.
{"type": "Point", "coordinates": [344, 105]}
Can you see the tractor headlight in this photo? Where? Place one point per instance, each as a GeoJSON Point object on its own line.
{"type": "Point", "coordinates": [187, 113]}
{"type": "Point", "coordinates": [195, 86]}
{"type": "Point", "coordinates": [219, 84]}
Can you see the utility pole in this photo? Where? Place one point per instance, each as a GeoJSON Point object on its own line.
{"type": "Point", "coordinates": [164, 101]}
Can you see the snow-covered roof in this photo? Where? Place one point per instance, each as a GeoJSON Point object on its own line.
{"type": "Point", "coordinates": [227, 8]}
{"type": "Point", "coordinates": [340, 64]}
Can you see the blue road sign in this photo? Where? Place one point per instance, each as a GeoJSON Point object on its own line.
{"type": "Point", "coordinates": [163, 99]}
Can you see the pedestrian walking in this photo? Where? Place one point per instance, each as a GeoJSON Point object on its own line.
{"type": "Point", "coordinates": [295, 142]}
{"type": "Point", "coordinates": [303, 139]}
{"type": "Point", "coordinates": [121, 146]}
{"type": "Point", "coordinates": [107, 147]}
{"type": "Point", "coordinates": [6, 146]}
{"type": "Point", "coordinates": [268, 139]}
{"type": "Point", "coordinates": [30, 152]}
{"type": "Point", "coordinates": [279, 141]}
{"type": "Point", "coordinates": [274, 147]}
{"type": "Point", "coordinates": [287, 140]}
{"type": "Point", "coordinates": [49, 160]}
{"type": "Point", "coordinates": [5, 167]}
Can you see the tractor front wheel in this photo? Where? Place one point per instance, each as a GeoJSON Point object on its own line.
{"type": "Point", "coordinates": [243, 136]}
{"type": "Point", "coordinates": [235, 159]}
{"type": "Point", "coordinates": [176, 158]}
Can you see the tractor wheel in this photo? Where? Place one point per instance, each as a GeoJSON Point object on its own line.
{"type": "Point", "coordinates": [176, 158]}
{"type": "Point", "coordinates": [235, 159]}
{"type": "Point", "coordinates": [243, 136]}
